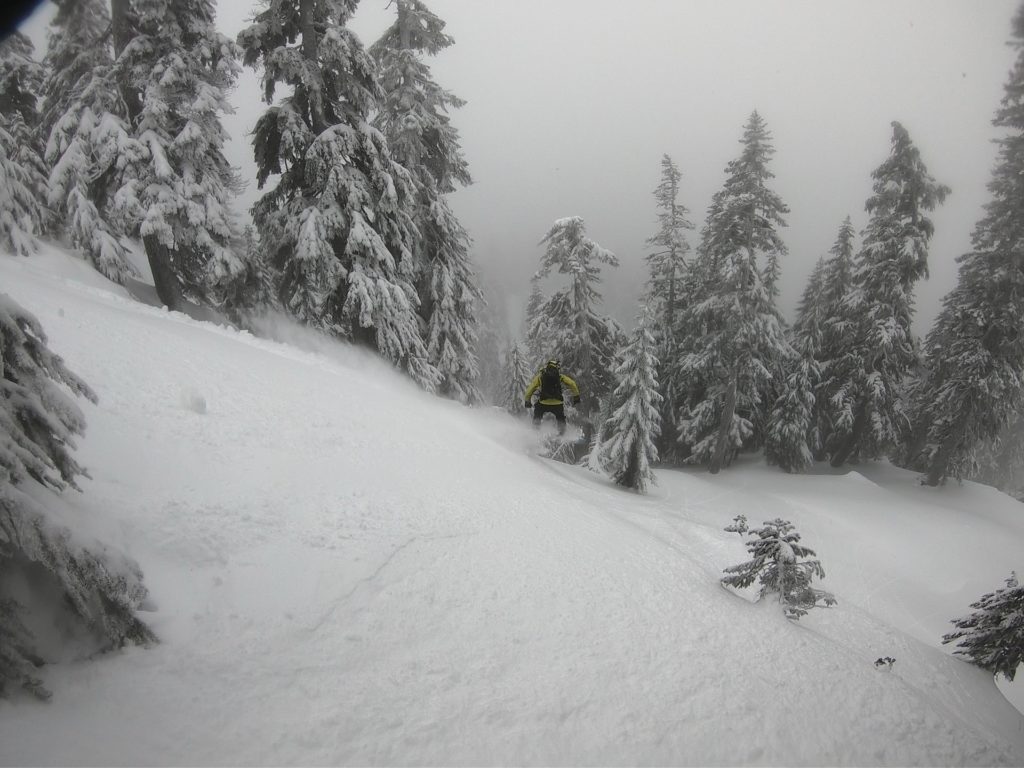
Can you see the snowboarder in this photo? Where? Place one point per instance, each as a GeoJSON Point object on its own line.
{"type": "Point", "coordinates": [550, 381]}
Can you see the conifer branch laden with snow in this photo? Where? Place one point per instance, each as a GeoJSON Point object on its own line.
{"type": "Point", "coordinates": [792, 433]}
{"type": "Point", "coordinates": [993, 636]}
{"type": "Point", "coordinates": [88, 138]}
{"type": "Point", "coordinates": [22, 171]}
{"type": "Point", "coordinates": [738, 525]}
{"type": "Point", "coordinates": [780, 564]}
{"type": "Point", "coordinates": [38, 424]}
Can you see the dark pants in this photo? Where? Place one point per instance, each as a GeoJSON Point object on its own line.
{"type": "Point", "coordinates": [539, 409]}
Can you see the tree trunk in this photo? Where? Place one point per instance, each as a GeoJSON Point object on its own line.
{"type": "Point", "coordinates": [938, 466]}
{"type": "Point", "coordinates": [853, 439]}
{"type": "Point", "coordinates": [164, 279]}
{"type": "Point", "coordinates": [404, 41]}
{"type": "Point", "coordinates": [310, 43]}
{"type": "Point", "coordinates": [728, 411]}
{"type": "Point", "coordinates": [123, 32]}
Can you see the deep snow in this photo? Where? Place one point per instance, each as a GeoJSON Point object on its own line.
{"type": "Point", "coordinates": [345, 570]}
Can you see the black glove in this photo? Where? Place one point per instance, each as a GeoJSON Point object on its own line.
{"type": "Point", "coordinates": [529, 404]}
{"type": "Point", "coordinates": [575, 399]}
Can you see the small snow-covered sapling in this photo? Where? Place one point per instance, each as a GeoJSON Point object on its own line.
{"type": "Point", "coordinates": [739, 525]}
{"type": "Point", "coordinates": [993, 636]}
{"type": "Point", "coordinates": [780, 564]}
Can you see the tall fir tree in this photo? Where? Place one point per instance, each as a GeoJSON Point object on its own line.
{"type": "Point", "coordinates": [836, 331]}
{"type": "Point", "coordinates": [792, 431]}
{"type": "Point", "coordinates": [537, 331]}
{"type": "Point", "coordinates": [793, 428]}
{"type": "Point", "coordinates": [22, 172]}
{"type": "Point", "coordinates": [175, 70]}
{"type": "Point", "coordinates": [974, 380]}
{"type": "Point", "coordinates": [414, 119]}
{"type": "Point", "coordinates": [744, 345]}
{"type": "Point", "coordinates": [518, 373]}
{"type": "Point", "coordinates": [808, 327]}
{"type": "Point", "coordinates": [338, 225]}
{"type": "Point", "coordinates": [62, 573]}
{"type": "Point", "coordinates": [88, 139]}
{"type": "Point", "coordinates": [492, 339]}
{"type": "Point", "coordinates": [667, 265]}
{"type": "Point", "coordinates": [583, 340]}
{"type": "Point", "coordinates": [868, 413]}
{"type": "Point", "coordinates": [628, 446]}
{"type": "Point", "coordinates": [694, 364]}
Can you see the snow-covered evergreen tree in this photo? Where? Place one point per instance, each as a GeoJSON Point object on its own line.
{"type": "Point", "coordinates": [492, 339]}
{"type": "Point", "coordinates": [1000, 462]}
{"type": "Point", "coordinates": [837, 330]}
{"type": "Point", "coordinates": [810, 313]}
{"type": "Point", "coordinates": [781, 564]}
{"type": "Point", "coordinates": [668, 262]}
{"type": "Point", "coordinates": [22, 172]}
{"type": "Point", "coordinates": [88, 139]}
{"type": "Point", "coordinates": [667, 265]}
{"type": "Point", "coordinates": [538, 333]}
{"type": "Point", "coordinates": [693, 366]}
{"type": "Point", "coordinates": [792, 435]}
{"type": "Point", "coordinates": [175, 70]}
{"type": "Point", "coordinates": [974, 379]}
{"type": "Point", "coordinates": [743, 345]}
{"type": "Point", "coordinates": [628, 447]}
{"type": "Point", "coordinates": [338, 224]}
{"type": "Point", "coordinates": [584, 341]}
{"type": "Point", "coordinates": [993, 636]}
{"type": "Point", "coordinates": [38, 424]}
{"type": "Point", "coordinates": [793, 428]}
{"type": "Point", "coordinates": [868, 412]}
{"type": "Point", "coordinates": [250, 288]}
{"type": "Point", "coordinates": [518, 373]}
{"type": "Point", "coordinates": [414, 119]}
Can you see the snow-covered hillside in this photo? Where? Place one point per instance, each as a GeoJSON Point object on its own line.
{"type": "Point", "coordinates": [345, 570]}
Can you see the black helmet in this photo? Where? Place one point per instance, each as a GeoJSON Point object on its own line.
{"type": "Point", "coordinates": [552, 364]}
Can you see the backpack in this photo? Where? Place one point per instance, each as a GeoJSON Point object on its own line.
{"type": "Point", "coordinates": [550, 384]}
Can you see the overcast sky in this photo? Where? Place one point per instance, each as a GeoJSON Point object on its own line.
{"type": "Point", "coordinates": [571, 104]}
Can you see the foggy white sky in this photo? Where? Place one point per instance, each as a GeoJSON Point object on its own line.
{"type": "Point", "coordinates": [571, 104]}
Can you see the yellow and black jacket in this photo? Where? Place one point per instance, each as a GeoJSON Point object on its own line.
{"type": "Point", "coordinates": [551, 398]}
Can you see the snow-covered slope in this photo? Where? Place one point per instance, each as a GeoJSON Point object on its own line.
{"type": "Point", "coordinates": [347, 571]}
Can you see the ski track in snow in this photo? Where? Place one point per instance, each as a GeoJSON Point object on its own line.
{"type": "Point", "coordinates": [344, 570]}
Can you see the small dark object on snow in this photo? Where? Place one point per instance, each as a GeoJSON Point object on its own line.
{"type": "Point", "coordinates": [885, 661]}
